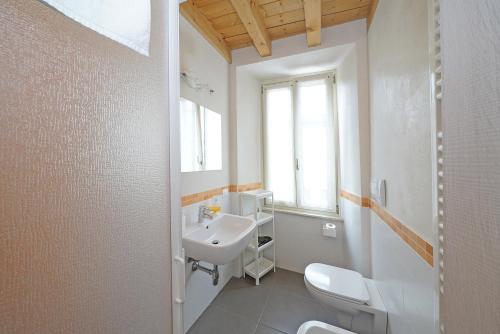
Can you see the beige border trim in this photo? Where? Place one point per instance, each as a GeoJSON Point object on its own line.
{"type": "Point", "coordinates": [248, 187]}
{"type": "Point", "coordinates": [204, 195]}
{"type": "Point", "coordinates": [199, 197]}
{"type": "Point", "coordinates": [419, 245]}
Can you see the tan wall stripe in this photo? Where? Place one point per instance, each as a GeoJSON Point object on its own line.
{"type": "Point", "coordinates": [419, 245]}
{"type": "Point", "coordinates": [198, 197]}
{"type": "Point", "coordinates": [249, 186]}
{"type": "Point", "coordinates": [203, 196]}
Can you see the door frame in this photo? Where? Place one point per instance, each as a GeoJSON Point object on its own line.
{"type": "Point", "coordinates": [177, 252]}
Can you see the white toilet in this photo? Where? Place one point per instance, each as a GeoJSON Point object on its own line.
{"type": "Point", "coordinates": [348, 292]}
{"type": "Point", "coordinates": [318, 327]}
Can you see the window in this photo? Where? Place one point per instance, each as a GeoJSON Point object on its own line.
{"type": "Point", "coordinates": [201, 138]}
{"type": "Point", "coordinates": [300, 135]}
{"type": "Point", "coordinates": [191, 144]}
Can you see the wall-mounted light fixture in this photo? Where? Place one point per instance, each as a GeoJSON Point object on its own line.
{"type": "Point", "coordinates": [194, 83]}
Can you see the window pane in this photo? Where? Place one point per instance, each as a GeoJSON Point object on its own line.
{"type": "Point", "coordinates": [213, 140]}
{"type": "Point", "coordinates": [191, 152]}
{"type": "Point", "coordinates": [279, 155]}
{"type": "Point", "coordinates": [315, 147]}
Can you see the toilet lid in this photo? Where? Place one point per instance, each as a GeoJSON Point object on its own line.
{"type": "Point", "coordinates": [344, 283]}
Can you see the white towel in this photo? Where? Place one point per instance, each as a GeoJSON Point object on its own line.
{"type": "Point", "coordinates": [125, 21]}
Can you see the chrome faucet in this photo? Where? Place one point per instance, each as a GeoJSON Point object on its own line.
{"type": "Point", "coordinates": [204, 212]}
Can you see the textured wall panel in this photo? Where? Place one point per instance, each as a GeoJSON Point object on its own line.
{"type": "Point", "coordinates": [84, 223]}
{"type": "Point", "coordinates": [471, 124]}
{"type": "Point", "coordinates": [400, 110]}
{"type": "Point", "coordinates": [354, 172]}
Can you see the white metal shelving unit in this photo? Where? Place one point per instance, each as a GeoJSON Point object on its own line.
{"type": "Point", "coordinates": [260, 264]}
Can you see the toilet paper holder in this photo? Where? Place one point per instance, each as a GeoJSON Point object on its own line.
{"type": "Point", "coordinates": [329, 230]}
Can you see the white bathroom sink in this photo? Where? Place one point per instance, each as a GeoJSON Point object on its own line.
{"type": "Point", "coordinates": [220, 240]}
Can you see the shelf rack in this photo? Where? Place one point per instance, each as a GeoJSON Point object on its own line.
{"type": "Point", "coordinates": [260, 264]}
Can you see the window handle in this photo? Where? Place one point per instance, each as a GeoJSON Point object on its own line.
{"type": "Point", "coordinates": [297, 164]}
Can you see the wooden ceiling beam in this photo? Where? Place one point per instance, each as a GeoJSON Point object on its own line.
{"type": "Point", "coordinates": [312, 11]}
{"type": "Point", "coordinates": [295, 28]}
{"type": "Point", "coordinates": [202, 24]}
{"type": "Point", "coordinates": [250, 16]}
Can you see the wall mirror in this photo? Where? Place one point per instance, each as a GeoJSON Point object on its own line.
{"type": "Point", "coordinates": [201, 138]}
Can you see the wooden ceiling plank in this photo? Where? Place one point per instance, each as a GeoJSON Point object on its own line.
{"type": "Point", "coordinates": [235, 30]}
{"type": "Point", "coordinates": [312, 11]}
{"type": "Point", "coordinates": [278, 7]}
{"type": "Point", "coordinates": [295, 28]}
{"type": "Point", "coordinates": [217, 9]}
{"type": "Point", "coordinates": [287, 30]}
{"type": "Point", "coordinates": [269, 22]}
{"type": "Point", "coordinates": [248, 12]}
{"type": "Point", "coordinates": [284, 18]}
{"type": "Point", "coordinates": [264, 2]}
{"type": "Point", "coordinates": [239, 41]}
{"type": "Point", "coordinates": [205, 28]}
{"type": "Point", "coordinates": [226, 21]}
{"type": "Point", "coordinates": [335, 6]}
{"type": "Point", "coordinates": [345, 16]}
{"type": "Point", "coordinates": [202, 3]}
{"type": "Point", "coordinates": [268, 9]}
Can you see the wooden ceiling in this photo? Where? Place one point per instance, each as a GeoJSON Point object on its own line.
{"type": "Point", "coordinates": [233, 24]}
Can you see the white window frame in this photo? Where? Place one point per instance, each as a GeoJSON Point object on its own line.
{"type": "Point", "coordinates": [201, 124]}
{"type": "Point", "coordinates": [292, 81]}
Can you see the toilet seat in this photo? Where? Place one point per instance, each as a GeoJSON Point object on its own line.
{"type": "Point", "coordinates": [317, 327]}
{"type": "Point", "coordinates": [336, 282]}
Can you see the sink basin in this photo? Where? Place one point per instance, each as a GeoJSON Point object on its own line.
{"type": "Point", "coordinates": [220, 240]}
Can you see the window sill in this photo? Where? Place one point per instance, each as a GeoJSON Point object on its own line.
{"type": "Point", "coordinates": [306, 213]}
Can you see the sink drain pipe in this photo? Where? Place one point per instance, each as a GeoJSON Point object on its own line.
{"type": "Point", "coordinates": [214, 273]}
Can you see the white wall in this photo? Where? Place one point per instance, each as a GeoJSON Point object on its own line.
{"type": "Point", "coordinates": [199, 289]}
{"type": "Point", "coordinates": [400, 110]}
{"type": "Point", "coordinates": [248, 119]}
{"type": "Point", "coordinates": [349, 132]}
{"type": "Point", "coordinates": [300, 242]}
{"type": "Point", "coordinates": [199, 57]}
{"type": "Point", "coordinates": [405, 282]}
{"type": "Point", "coordinates": [353, 115]}
{"type": "Point", "coordinates": [333, 36]}
{"type": "Point", "coordinates": [246, 102]}
{"type": "Point", "coordinates": [400, 115]}
{"type": "Point", "coordinates": [293, 229]}
{"type": "Point", "coordinates": [471, 123]}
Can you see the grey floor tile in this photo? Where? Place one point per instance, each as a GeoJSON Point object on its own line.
{"type": "Point", "coordinates": [267, 330]}
{"type": "Point", "coordinates": [287, 311]}
{"type": "Point", "coordinates": [281, 303]}
{"type": "Point", "coordinates": [291, 282]}
{"type": "Point", "coordinates": [216, 320]}
{"type": "Point", "coordinates": [249, 282]}
{"type": "Point", "coordinates": [247, 301]}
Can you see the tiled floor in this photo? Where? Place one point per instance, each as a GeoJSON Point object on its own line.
{"type": "Point", "coordinates": [279, 305]}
